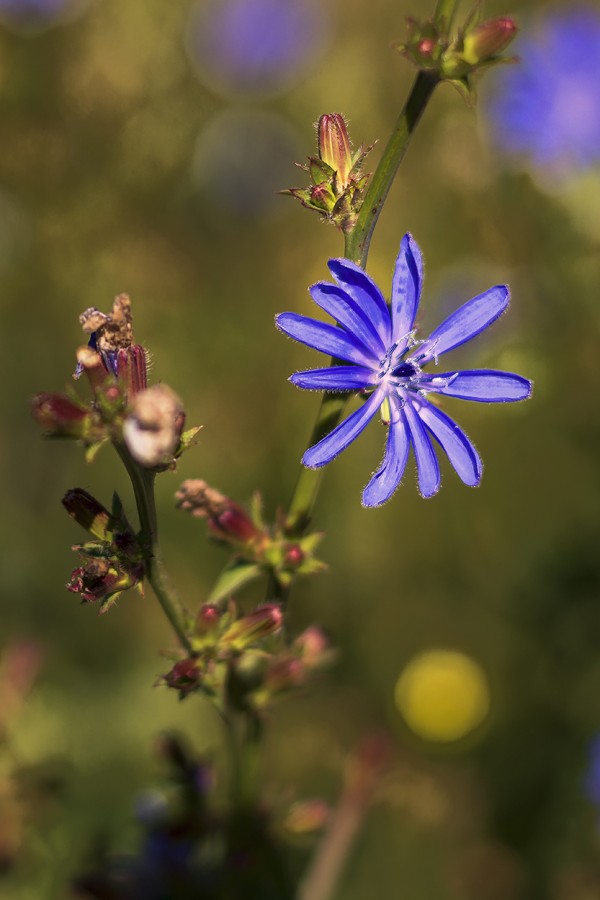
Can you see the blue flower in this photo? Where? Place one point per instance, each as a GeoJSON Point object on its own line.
{"type": "Point", "coordinates": [547, 108]}
{"type": "Point", "coordinates": [385, 363]}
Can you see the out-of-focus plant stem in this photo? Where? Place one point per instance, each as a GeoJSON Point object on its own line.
{"type": "Point", "coordinates": [142, 481]}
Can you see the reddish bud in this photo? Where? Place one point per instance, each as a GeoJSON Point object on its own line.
{"type": "Point", "coordinates": [488, 39]}
{"type": "Point", "coordinates": [207, 620]}
{"type": "Point", "coordinates": [294, 556]}
{"type": "Point", "coordinates": [131, 365]}
{"type": "Point", "coordinates": [227, 520]}
{"type": "Point", "coordinates": [59, 415]}
{"type": "Point", "coordinates": [184, 677]}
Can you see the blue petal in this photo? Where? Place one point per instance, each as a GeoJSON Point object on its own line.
{"type": "Point", "coordinates": [428, 469]}
{"type": "Point", "coordinates": [389, 475]}
{"type": "Point", "coordinates": [321, 336]}
{"type": "Point", "coordinates": [484, 385]}
{"type": "Point", "coordinates": [340, 305]}
{"type": "Point", "coordinates": [454, 442]}
{"type": "Point", "coordinates": [334, 378]}
{"type": "Point", "coordinates": [406, 288]}
{"type": "Point", "coordinates": [338, 439]}
{"type": "Point", "coordinates": [365, 294]}
{"type": "Point", "coordinates": [467, 322]}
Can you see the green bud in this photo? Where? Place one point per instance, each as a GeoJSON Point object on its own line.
{"type": "Point", "coordinates": [265, 620]}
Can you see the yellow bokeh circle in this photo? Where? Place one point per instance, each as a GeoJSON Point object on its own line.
{"type": "Point", "coordinates": [443, 695]}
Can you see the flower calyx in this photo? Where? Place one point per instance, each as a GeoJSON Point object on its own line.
{"type": "Point", "coordinates": [111, 563]}
{"type": "Point", "coordinates": [337, 183]}
{"type": "Point", "coordinates": [260, 547]}
{"type": "Point", "coordinates": [458, 56]}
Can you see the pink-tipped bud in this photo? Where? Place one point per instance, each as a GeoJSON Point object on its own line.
{"type": "Point", "coordinates": [334, 145]}
{"type": "Point", "coordinates": [88, 513]}
{"type": "Point", "coordinates": [207, 620]}
{"type": "Point", "coordinates": [488, 39]}
{"type": "Point", "coordinates": [265, 620]}
{"type": "Point", "coordinates": [294, 556]}
{"type": "Point", "coordinates": [59, 415]}
{"type": "Point", "coordinates": [227, 520]}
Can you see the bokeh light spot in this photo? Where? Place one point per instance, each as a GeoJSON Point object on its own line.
{"type": "Point", "coordinates": [443, 695]}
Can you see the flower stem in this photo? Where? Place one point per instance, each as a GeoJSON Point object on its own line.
{"type": "Point", "coordinates": [357, 249]}
{"type": "Point", "coordinates": [444, 11]}
{"type": "Point", "coordinates": [142, 481]}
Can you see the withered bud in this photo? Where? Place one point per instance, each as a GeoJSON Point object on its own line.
{"type": "Point", "coordinates": [226, 519]}
{"type": "Point", "coordinates": [113, 331]}
{"type": "Point", "coordinates": [90, 362]}
{"type": "Point", "coordinates": [153, 428]}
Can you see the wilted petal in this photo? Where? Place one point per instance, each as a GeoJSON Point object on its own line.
{"type": "Point", "coordinates": [365, 293]}
{"type": "Point", "coordinates": [335, 378]}
{"type": "Point", "coordinates": [468, 321]}
{"type": "Point", "coordinates": [344, 310]}
{"type": "Point", "coordinates": [454, 442]}
{"type": "Point", "coordinates": [428, 469]}
{"type": "Point", "coordinates": [321, 336]}
{"type": "Point", "coordinates": [338, 439]}
{"type": "Point", "coordinates": [406, 287]}
{"type": "Point", "coordinates": [389, 475]}
{"type": "Point", "coordinates": [484, 385]}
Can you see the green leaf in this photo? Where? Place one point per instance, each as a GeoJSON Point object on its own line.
{"type": "Point", "coordinates": [233, 577]}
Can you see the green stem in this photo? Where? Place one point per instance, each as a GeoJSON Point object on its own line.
{"type": "Point", "coordinates": [357, 242]}
{"type": "Point", "coordinates": [142, 481]}
{"type": "Point", "coordinates": [357, 249]}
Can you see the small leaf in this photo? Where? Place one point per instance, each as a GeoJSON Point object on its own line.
{"type": "Point", "coordinates": [232, 578]}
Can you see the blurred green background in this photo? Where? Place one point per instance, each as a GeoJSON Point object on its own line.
{"type": "Point", "coordinates": [123, 167]}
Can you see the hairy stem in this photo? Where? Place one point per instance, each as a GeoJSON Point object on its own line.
{"type": "Point", "coordinates": [142, 481]}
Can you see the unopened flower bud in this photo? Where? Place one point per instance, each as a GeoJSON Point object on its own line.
{"type": "Point", "coordinates": [306, 816]}
{"type": "Point", "coordinates": [88, 513]}
{"type": "Point", "coordinates": [315, 650]}
{"type": "Point", "coordinates": [153, 428]}
{"type": "Point", "coordinates": [488, 39]}
{"type": "Point", "coordinates": [59, 415]}
{"type": "Point", "coordinates": [294, 556]}
{"type": "Point", "coordinates": [227, 520]}
{"type": "Point", "coordinates": [265, 620]}
{"type": "Point", "coordinates": [334, 146]}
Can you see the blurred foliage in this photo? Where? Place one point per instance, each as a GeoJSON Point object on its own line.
{"type": "Point", "coordinates": [121, 171]}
